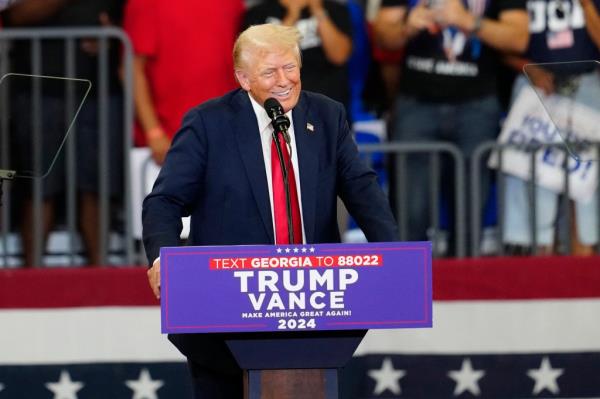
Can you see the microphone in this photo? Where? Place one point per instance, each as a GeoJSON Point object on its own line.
{"type": "Point", "coordinates": [280, 122]}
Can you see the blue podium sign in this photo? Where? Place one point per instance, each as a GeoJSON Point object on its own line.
{"type": "Point", "coordinates": [296, 287]}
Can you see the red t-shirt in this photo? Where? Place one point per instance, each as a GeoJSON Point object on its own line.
{"type": "Point", "coordinates": [189, 47]}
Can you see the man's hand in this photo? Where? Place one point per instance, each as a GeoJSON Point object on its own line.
{"type": "Point", "coordinates": [420, 18]}
{"type": "Point", "coordinates": [541, 78]}
{"type": "Point", "coordinates": [159, 144]}
{"type": "Point", "coordinates": [154, 278]}
{"type": "Point", "coordinates": [91, 46]}
{"type": "Point", "coordinates": [453, 13]}
{"type": "Point", "coordinates": [293, 8]}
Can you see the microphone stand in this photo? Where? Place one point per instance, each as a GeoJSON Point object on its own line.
{"type": "Point", "coordinates": [286, 185]}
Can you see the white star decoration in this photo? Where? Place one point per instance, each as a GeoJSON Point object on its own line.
{"type": "Point", "coordinates": [466, 378]}
{"type": "Point", "coordinates": [295, 250]}
{"type": "Point", "coordinates": [545, 377]}
{"type": "Point", "coordinates": [144, 387]}
{"type": "Point", "coordinates": [65, 388]}
{"type": "Point", "coordinates": [387, 378]}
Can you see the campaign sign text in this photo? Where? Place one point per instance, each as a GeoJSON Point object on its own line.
{"type": "Point", "coordinates": [296, 287]}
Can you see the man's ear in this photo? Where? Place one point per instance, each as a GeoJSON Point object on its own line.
{"type": "Point", "coordinates": [243, 79]}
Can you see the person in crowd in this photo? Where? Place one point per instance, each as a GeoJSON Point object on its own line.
{"type": "Point", "coordinates": [326, 43]}
{"type": "Point", "coordinates": [63, 13]}
{"type": "Point", "coordinates": [220, 171]}
{"type": "Point", "coordinates": [182, 57]}
{"type": "Point", "coordinates": [560, 32]}
{"type": "Point", "coordinates": [447, 88]}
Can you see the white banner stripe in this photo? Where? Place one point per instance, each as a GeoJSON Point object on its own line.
{"type": "Point", "coordinates": [132, 334]}
{"type": "Point", "coordinates": [84, 335]}
{"type": "Point", "coordinates": [496, 327]}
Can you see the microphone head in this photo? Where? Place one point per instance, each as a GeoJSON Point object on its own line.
{"type": "Point", "coordinates": [273, 107]}
{"type": "Point", "coordinates": [275, 112]}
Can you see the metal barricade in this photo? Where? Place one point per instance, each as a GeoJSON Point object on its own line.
{"type": "Point", "coordinates": [399, 150]}
{"type": "Point", "coordinates": [69, 36]}
{"type": "Point", "coordinates": [477, 164]}
{"type": "Point", "coordinates": [435, 150]}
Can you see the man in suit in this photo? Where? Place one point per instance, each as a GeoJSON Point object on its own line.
{"type": "Point", "coordinates": [220, 171]}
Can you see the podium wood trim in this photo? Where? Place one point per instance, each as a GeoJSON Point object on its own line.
{"type": "Point", "coordinates": [291, 384]}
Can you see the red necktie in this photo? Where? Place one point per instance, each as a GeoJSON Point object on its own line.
{"type": "Point", "coordinates": [279, 203]}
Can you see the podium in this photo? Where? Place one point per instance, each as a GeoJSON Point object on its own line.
{"type": "Point", "coordinates": [294, 365]}
{"type": "Point", "coordinates": [298, 312]}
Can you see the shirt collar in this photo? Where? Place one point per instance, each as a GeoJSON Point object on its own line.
{"type": "Point", "coordinates": [262, 117]}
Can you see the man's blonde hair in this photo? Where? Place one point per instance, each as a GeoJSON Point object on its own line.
{"type": "Point", "coordinates": [265, 37]}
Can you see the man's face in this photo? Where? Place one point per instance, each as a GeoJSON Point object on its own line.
{"type": "Point", "coordinates": [272, 74]}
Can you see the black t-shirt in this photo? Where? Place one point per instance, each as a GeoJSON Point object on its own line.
{"type": "Point", "coordinates": [318, 74]}
{"type": "Point", "coordinates": [561, 36]}
{"type": "Point", "coordinates": [450, 65]}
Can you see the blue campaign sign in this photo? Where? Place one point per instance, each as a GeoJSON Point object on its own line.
{"type": "Point", "coordinates": [296, 287]}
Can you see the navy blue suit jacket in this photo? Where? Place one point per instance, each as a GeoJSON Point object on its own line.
{"type": "Point", "coordinates": [215, 172]}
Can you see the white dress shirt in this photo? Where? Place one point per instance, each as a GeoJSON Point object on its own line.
{"type": "Point", "coordinates": [266, 136]}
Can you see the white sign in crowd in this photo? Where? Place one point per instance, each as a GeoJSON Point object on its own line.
{"type": "Point", "coordinates": [551, 119]}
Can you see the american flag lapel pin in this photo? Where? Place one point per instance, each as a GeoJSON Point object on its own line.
{"type": "Point", "coordinates": [310, 127]}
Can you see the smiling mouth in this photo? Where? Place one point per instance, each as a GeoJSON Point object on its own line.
{"type": "Point", "coordinates": [282, 93]}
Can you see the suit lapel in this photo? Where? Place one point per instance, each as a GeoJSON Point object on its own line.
{"type": "Point", "coordinates": [308, 164]}
{"type": "Point", "coordinates": [249, 145]}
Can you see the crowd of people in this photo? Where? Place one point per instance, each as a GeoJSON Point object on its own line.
{"type": "Point", "coordinates": [450, 63]}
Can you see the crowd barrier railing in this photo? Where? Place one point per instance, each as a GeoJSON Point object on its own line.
{"type": "Point", "coordinates": [467, 222]}
{"type": "Point", "coordinates": [565, 234]}
{"type": "Point", "coordinates": [70, 37]}
{"type": "Point", "coordinates": [397, 153]}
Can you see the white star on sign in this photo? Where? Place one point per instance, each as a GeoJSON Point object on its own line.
{"type": "Point", "coordinates": [287, 250]}
{"type": "Point", "coordinates": [144, 387]}
{"type": "Point", "coordinates": [466, 378]}
{"type": "Point", "coordinates": [303, 250]}
{"type": "Point", "coordinates": [312, 249]}
{"type": "Point", "coordinates": [387, 377]}
{"type": "Point", "coordinates": [296, 250]}
{"type": "Point", "coordinates": [545, 377]}
{"type": "Point", "coordinates": [64, 388]}
{"type": "Point", "coordinates": [278, 250]}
